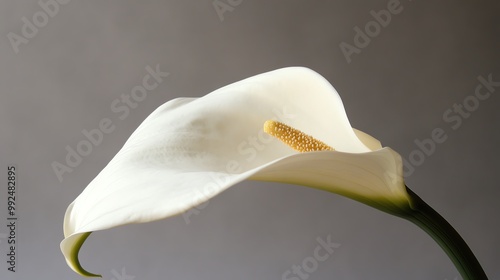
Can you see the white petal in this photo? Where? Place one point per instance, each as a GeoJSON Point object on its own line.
{"type": "Point", "coordinates": [369, 141]}
{"type": "Point", "coordinates": [189, 150]}
{"type": "Point", "coordinates": [374, 178]}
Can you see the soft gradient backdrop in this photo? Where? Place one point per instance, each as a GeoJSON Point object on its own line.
{"type": "Point", "coordinates": [85, 54]}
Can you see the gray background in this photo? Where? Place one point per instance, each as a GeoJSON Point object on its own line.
{"type": "Point", "coordinates": [427, 59]}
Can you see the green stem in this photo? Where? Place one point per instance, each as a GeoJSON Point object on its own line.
{"type": "Point", "coordinates": [446, 236]}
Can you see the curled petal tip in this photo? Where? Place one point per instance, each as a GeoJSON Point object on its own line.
{"type": "Point", "coordinates": [70, 247]}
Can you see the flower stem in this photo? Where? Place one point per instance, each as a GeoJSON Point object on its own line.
{"type": "Point", "coordinates": [446, 236]}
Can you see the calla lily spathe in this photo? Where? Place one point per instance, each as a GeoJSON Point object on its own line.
{"type": "Point", "coordinates": [176, 153]}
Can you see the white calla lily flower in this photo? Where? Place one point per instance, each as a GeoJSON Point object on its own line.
{"type": "Point", "coordinates": [193, 146]}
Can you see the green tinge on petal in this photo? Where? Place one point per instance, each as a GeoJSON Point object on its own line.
{"type": "Point", "coordinates": [70, 248]}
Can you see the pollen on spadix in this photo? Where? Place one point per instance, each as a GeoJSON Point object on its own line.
{"type": "Point", "coordinates": [295, 138]}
